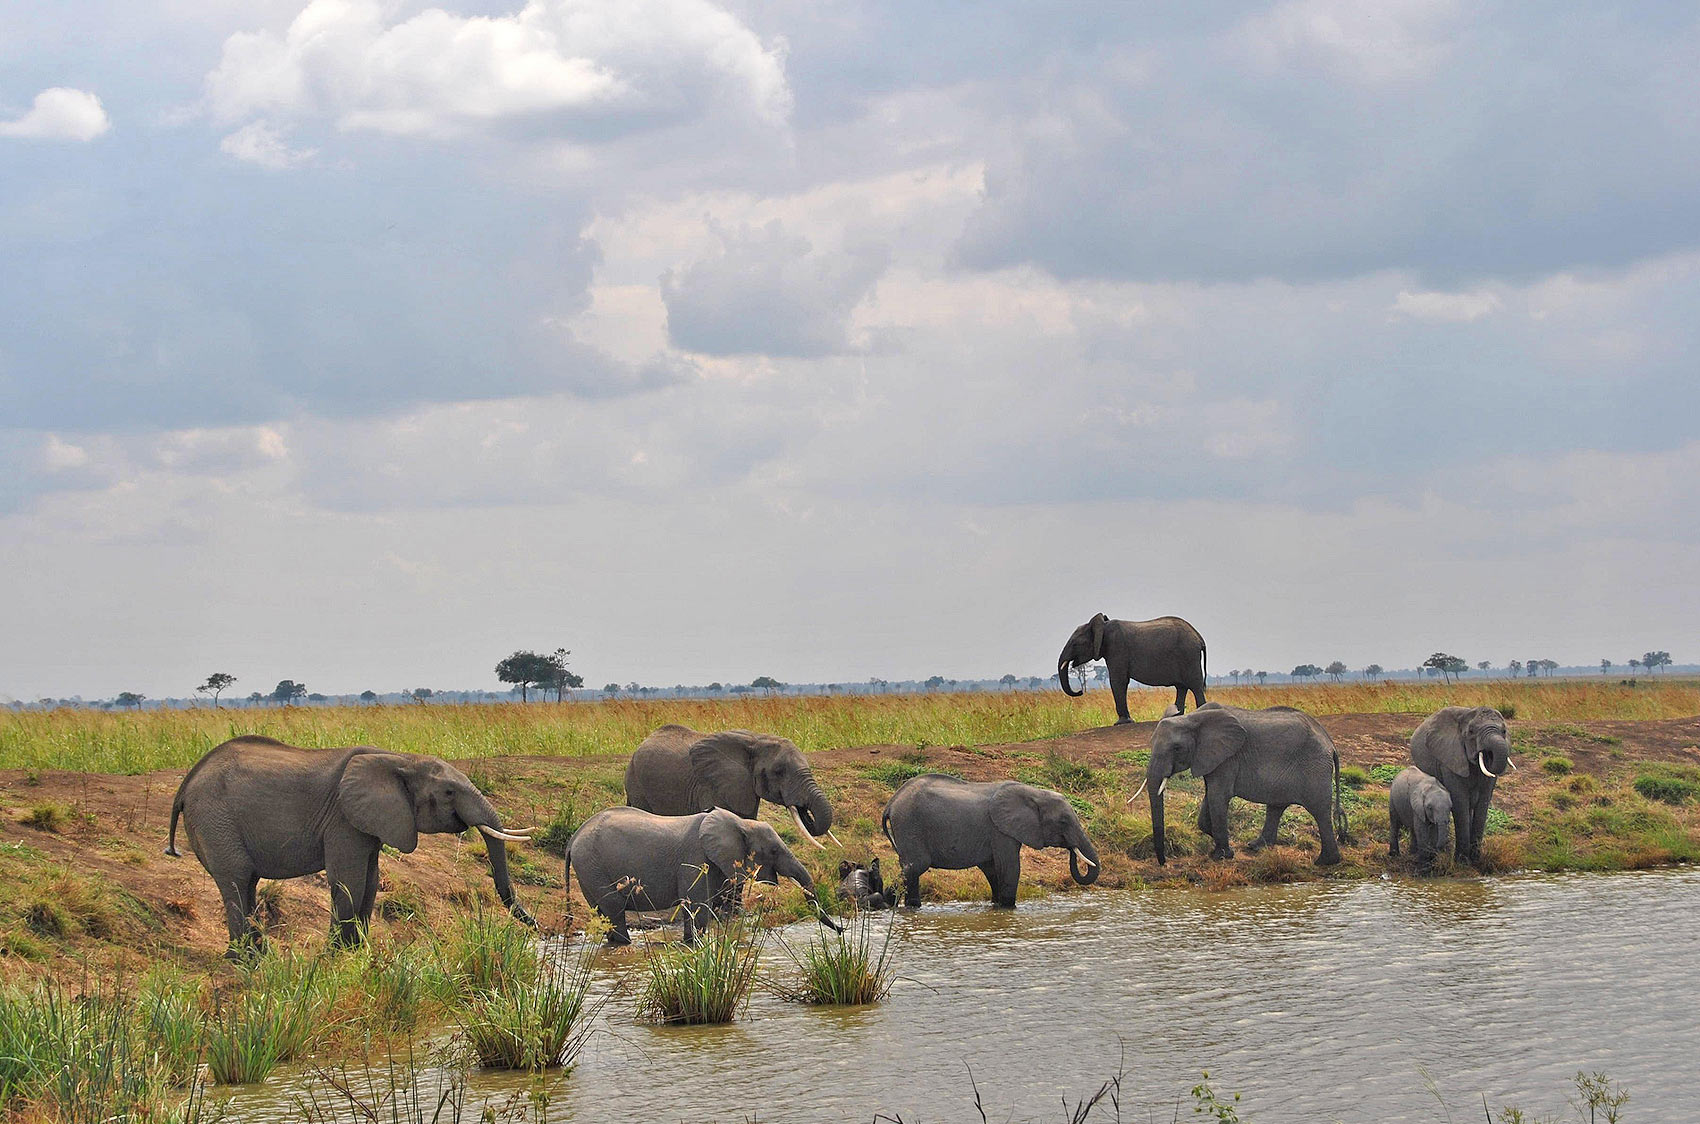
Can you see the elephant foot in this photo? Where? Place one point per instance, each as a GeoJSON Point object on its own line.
{"type": "Point", "coordinates": [1222, 853]}
{"type": "Point", "coordinates": [1257, 845]}
{"type": "Point", "coordinates": [1124, 720]}
{"type": "Point", "coordinates": [1328, 860]}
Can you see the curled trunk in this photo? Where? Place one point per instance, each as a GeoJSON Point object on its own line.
{"type": "Point", "coordinates": [1090, 874]}
{"type": "Point", "coordinates": [815, 810]}
{"type": "Point", "coordinates": [1062, 677]}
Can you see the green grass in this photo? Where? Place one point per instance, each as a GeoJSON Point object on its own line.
{"type": "Point", "coordinates": [1557, 766]}
{"type": "Point", "coordinates": [708, 982]}
{"type": "Point", "coordinates": [1381, 774]}
{"type": "Point", "coordinates": [487, 951]}
{"type": "Point", "coordinates": [851, 968]}
{"type": "Point", "coordinates": [1668, 784]}
{"type": "Point", "coordinates": [538, 1025]}
{"type": "Point", "coordinates": [894, 773]}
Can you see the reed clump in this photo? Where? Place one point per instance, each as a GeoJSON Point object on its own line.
{"type": "Point", "coordinates": [536, 1025]}
{"type": "Point", "coordinates": [851, 968]}
{"type": "Point", "coordinates": [708, 982]}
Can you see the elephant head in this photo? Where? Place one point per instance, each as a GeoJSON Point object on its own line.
{"type": "Point", "coordinates": [1472, 740]}
{"type": "Point", "coordinates": [1084, 646]}
{"type": "Point", "coordinates": [739, 767]}
{"type": "Point", "coordinates": [733, 845]}
{"type": "Point", "coordinates": [1040, 818]}
{"type": "Point", "coordinates": [1202, 741]}
{"type": "Point", "coordinates": [397, 797]}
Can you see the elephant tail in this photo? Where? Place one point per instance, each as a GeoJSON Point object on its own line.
{"type": "Point", "coordinates": [176, 812]}
{"type": "Point", "coordinates": [885, 824]}
{"type": "Point", "coordinates": [1340, 821]}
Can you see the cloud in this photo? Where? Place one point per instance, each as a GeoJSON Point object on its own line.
{"type": "Point", "coordinates": [587, 71]}
{"type": "Point", "coordinates": [1446, 308]}
{"type": "Point", "coordinates": [60, 113]}
{"type": "Point", "coordinates": [767, 292]}
{"type": "Point", "coordinates": [1387, 42]}
{"type": "Point", "coordinates": [259, 143]}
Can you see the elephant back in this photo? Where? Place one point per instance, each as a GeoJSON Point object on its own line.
{"type": "Point", "coordinates": [658, 777]}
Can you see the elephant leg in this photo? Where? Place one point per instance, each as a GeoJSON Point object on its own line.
{"type": "Point", "coordinates": [1271, 825]}
{"type": "Point", "coordinates": [612, 906]}
{"type": "Point", "coordinates": [346, 869]}
{"type": "Point", "coordinates": [1478, 819]}
{"type": "Point", "coordinates": [1204, 817]}
{"type": "Point", "coordinates": [238, 891]}
{"type": "Point", "coordinates": [1322, 811]}
{"type": "Point", "coordinates": [1180, 699]}
{"type": "Point", "coordinates": [370, 897]}
{"type": "Point", "coordinates": [1118, 689]}
{"type": "Point", "coordinates": [1197, 694]}
{"type": "Point", "coordinates": [1216, 800]}
{"type": "Point", "coordinates": [1393, 833]}
{"type": "Point", "coordinates": [1004, 873]}
{"type": "Point", "coordinates": [912, 884]}
{"type": "Point", "coordinates": [1461, 817]}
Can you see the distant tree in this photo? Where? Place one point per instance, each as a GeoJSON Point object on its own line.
{"type": "Point", "coordinates": [130, 699]}
{"type": "Point", "coordinates": [1306, 671]}
{"type": "Point", "coordinates": [420, 694]}
{"type": "Point", "coordinates": [1605, 666]}
{"type": "Point", "coordinates": [1261, 676]}
{"type": "Point", "coordinates": [632, 688]}
{"type": "Point", "coordinates": [716, 687]}
{"type": "Point", "coordinates": [1634, 665]}
{"type": "Point", "coordinates": [1457, 666]}
{"type": "Point", "coordinates": [255, 698]}
{"type": "Point", "coordinates": [611, 689]}
{"type": "Point", "coordinates": [1515, 666]}
{"type": "Point", "coordinates": [766, 683]}
{"type": "Point", "coordinates": [739, 689]}
{"type": "Point", "coordinates": [1335, 670]}
{"type": "Point", "coordinates": [368, 696]}
{"type": "Point", "coordinates": [317, 697]}
{"type": "Point", "coordinates": [933, 683]}
{"type": "Point", "coordinates": [1533, 667]}
{"type": "Point", "coordinates": [1484, 665]}
{"type": "Point", "coordinates": [526, 669]}
{"type": "Point", "coordinates": [287, 691]}
{"type": "Point", "coordinates": [1373, 671]}
{"type": "Point", "coordinates": [215, 684]}
{"type": "Point", "coordinates": [1442, 663]}
{"type": "Point", "coordinates": [1008, 681]}
{"type": "Point", "coordinates": [1652, 661]}
{"type": "Point", "coordinates": [559, 677]}
{"type": "Point", "coordinates": [1549, 666]}
{"type": "Point", "coordinates": [1101, 673]}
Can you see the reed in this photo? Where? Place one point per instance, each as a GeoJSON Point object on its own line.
{"type": "Point", "coordinates": [851, 968]}
{"type": "Point", "coordinates": [708, 982]}
{"type": "Point", "coordinates": [536, 1025]}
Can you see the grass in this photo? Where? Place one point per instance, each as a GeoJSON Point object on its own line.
{"type": "Point", "coordinates": [708, 982]}
{"type": "Point", "coordinates": [487, 952]}
{"type": "Point", "coordinates": [100, 741]}
{"type": "Point", "coordinates": [1668, 784]}
{"type": "Point", "coordinates": [843, 969]}
{"type": "Point", "coordinates": [538, 1025]}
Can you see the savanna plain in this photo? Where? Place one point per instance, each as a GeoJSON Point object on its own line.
{"type": "Point", "coordinates": [116, 1000]}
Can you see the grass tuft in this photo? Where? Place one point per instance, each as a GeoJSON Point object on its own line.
{"type": "Point", "coordinates": [844, 969]}
{"type": "Point", "coordinates": [538, 1025]}
{"type": "Point", "coordinates": [708, 982]}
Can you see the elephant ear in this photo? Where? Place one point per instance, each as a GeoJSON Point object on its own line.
{"type": "Point", "coordinates": [375, 800]}
{"type": "Point", "coordinates": [1098, 623]}
{"type": "Point", "coordinates": [1445, 739]}
{"type": "Point", "coordinates": [1015, 812]}
{"type": "Point", "coordinates": [723, 841]}
{"type": "Point", "coordinates": [1220, 736]}
{"type": "Point", "coordinates": [723, 769]}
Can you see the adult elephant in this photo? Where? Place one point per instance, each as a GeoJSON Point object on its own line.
{"type": "Point", "coordinates": [1165, 652]}
{"type": "Point", "coordinates": [256, 808]}
{"type": "Point", "coordinates": [1466, 749]}
{"type": "Point", "coordinates": [937, 821]}
{"type": "Point", "coordinates": [626, 858]}
{"type": "Point", "coordinates": [678, 771]}
{"type": "Point", "coordinates": [1279, 757]}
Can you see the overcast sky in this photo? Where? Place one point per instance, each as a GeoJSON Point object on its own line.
{"type": "Point", "coordinates": [362, 343]}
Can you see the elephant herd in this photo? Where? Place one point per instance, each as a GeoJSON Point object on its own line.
{"type": "Point", "coordinates": [689, 838]}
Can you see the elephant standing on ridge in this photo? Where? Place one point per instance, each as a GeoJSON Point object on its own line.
{"type": "Point", "coordinates": [1279, 757]}
{"type": "Point", "coordinates": [256, 808]}
{"type": "Point", "coordinates": [937, 821]}
{"type": "Point", "coordinates": [1166, 652]}
{"type": "Point", "coordinates": [1420, 804]}
{"type": "Point", "coordinates": [1466, 749]}
{"type": "Point", "coordinates": [678, 771]}
{"type": "Point", "coordinates": [626, 858]}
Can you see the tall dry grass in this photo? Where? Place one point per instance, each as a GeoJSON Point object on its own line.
{"type": "Point", "coordinates": [98, 741]}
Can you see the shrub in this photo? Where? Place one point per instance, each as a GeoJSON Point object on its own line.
{"type": "Point", "coordinates": [1383, 774]}
{"type": "Point", "coordinates": [844, 968]}
{"type": "Point", "coordinates": [554, 836]}
{"type": "Point", "coordinates": [47, 817]}
{"type": "Point", "coordinates": [1508, 711]}
{"type": "Point", "coordinates": [1669, 784]}
{"type": "Point", "coordinates": [708, 982]}
{"type": "Point", "coordinates": [538, 1025]}
{"type": "Point", "coordinates": [1498, 822]}
{"type": "Point", "coordinates": [1557, 766]}
{"type": "Point", "coordinates": [1353, 777]}
{"type": "Point", "coordinates": [487, 952]}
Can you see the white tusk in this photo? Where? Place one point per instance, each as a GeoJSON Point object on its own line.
{"type": "Point", "coordinates": [798, 816]}
{"type": "Point", "coordinates": [1137, 791]}
{"type": "Point", "coordinates": [1482, 765]}
{"type": "Point", "coordinates": [1082, 856]}
{"type": "Point", "coordinates": [1510, 762]}
{"type": "Point", "coordinates": [832, 837]}
{"type": "Point", "coordinates": [1163, 786]}
{"type": "Point", "coordinates": [505, 837]}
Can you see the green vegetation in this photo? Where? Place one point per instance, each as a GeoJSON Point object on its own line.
{"type": "Point", "coordinates": [1668, 784]}
{"type": "Point", "coordinates": [1557, 766]}
{"type": "Point", "coordinates": [708, 982]}
{"type": "Point", "coordinates": [844, 968]}
{"type": "Point", "coordinates": [538, 1025]}
{"type": "Point", "coordinates": [1353, 777]}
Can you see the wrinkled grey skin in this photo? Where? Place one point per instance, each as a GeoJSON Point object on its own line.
{"type": "Point", "coordinates": [678, 771]}
{"type": "Point", "coordinates": [1418, 803]}
{"type": "Point", "coordinates": [864, 886]}
{"type": "Point", "coordinates": [935, 821]}
{"type": "Point", "coordinates": [256, 808]}
{"type": "Point", "coordinates": [626, 858]}
{"type": "Point", "coordinates": [1466, 749]}
{"type": "Point", "coordinates": [1278, 757]}
{"type": "Point", "coordinates": [1166, 652]}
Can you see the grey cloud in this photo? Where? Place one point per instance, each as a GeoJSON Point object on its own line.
{"type": "Point", "coordinates": [768, 292]}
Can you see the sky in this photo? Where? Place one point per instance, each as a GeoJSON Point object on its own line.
{"type": "Point", "coordinates": [364, 343]}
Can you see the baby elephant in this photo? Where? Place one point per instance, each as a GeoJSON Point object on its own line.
{"type": "Point", "coordinates": [626, 858]}
{"type": "Point", "coordinates": [1419, 804]}
{"type": "Point", "coordinates": [864, 886]}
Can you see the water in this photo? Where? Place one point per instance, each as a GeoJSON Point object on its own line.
{"type": "Point", "coordinates": [1318, 1002]}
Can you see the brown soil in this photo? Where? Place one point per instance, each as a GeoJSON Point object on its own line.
{"type": "Point", "coordinates": [112, 829]}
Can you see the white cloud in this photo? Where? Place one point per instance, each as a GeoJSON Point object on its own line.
{"type": "Point", "coordinates": [57, 455]}
{"type": "Point", "coordinates": [1446, 308]}
{"type": "Point", "coordinates": [585, 70]}
{"type": "Point", "coordinates": [1383, 42]}
{"type": "Point", "coordinates": [60, 113]}
{"type": "Point", "coordinates": [259, 143]}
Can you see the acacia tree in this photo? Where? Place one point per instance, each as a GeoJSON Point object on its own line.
{"type": "Point", "coordinates": [1484, 665]}
{"type": "Point", "coordinates": [131, 699]}
{"type": "Point", "coordinates": [1652, 661]}
{"type": "Point", "coordinates": [1306, 671]}
{"type": "Point", "coordinates": [287, 691]}
{"type": "Point", "coordinates": [1335, 670]}
{"type": "Point", "coordinates": [1261, 676]}
{"type": "Point", "coordinates": [767, 683]}
{"type": "Point", "coordinates": [1372, 671]}
{"type": "Point", "coordinates": [559, 677]}
{"type": "Point", "coordinates": [1444, 664]}
{"type": "Point", "coordinates": [368, 696]}
{"type": "Point", "coordinates": [1515, 666]}
{"type": "Point", "coordinates": [525, 670]}
{"type": "Point", "coordinates": [216, 682]}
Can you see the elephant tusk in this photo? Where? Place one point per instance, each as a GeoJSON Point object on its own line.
{"type": "Point", "coordinates": [1081, 855]}
{"type": "Point", "coordinates": [832, 837]}
{"type": "Point", "coordinates": [1511, 763]}
{"type": "Point", "coordinates": [1138, 790]}
{"type": "Point", "coordinates": [1163, 786]}
{"type": "Point", "coordinates": [505, 837]}
{"type": "Point", "coordinates": [1482, 765]}
{"type": "Point", "coordinates": [798, 816]}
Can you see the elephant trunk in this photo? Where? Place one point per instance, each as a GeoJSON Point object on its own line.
{"type": "Point", "coordinates": [814, 810]}
{"type": "Point", "coordinates": [1157, 780]}
{"type": "Point", "coordinates": [1083, 849]}
{"type": "Point", "coordinates": [478, 813]}
{"type": "Point", "coordinates": [1062, 677]}
{"type": "Point", "coordinates": [798, 873]}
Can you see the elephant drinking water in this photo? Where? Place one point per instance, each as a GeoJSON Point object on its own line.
{"type": "Point", "coordinates": [256, 808]}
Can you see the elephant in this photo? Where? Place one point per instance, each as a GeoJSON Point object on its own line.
{"type": "Point", "coordinates": [1166, 652]}
{"type": "Point", "coordinates": [864, 886]}
{"type": "Point", "coordinates": [256, 808]}
{"type": "Point", "coordinates": [1467, 749]}
{"type": "Point", "coordinates": [1279, 756]}
{"type": "Point", "coordinates": [678, 771]}
{"type": "Point", "coordinates": [1420, 804]}
{"type": "Point", "coordinates": [944, 822]}
{"type": "Point", "coordinates": [627, 858]}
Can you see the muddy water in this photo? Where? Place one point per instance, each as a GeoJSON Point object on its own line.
{"type": "Point", "coordinates": [1316, 1002]}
